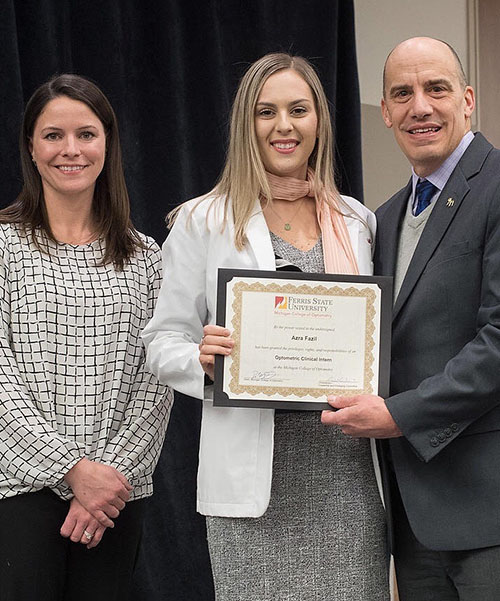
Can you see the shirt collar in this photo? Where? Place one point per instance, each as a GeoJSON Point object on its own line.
{"type": "Point", "coordinates": [443, 172]}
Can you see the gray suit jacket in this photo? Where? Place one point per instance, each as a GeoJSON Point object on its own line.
{"type": "Point", "coordinates": [445, 368]}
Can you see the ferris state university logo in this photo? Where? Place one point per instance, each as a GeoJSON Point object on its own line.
{"type": "Point", "coordinates": [281, 302]}
{"type": "Point", "coordinates": [303, 303]}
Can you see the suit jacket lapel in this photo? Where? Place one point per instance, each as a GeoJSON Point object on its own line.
{"type": "Point", "coordinates": [447, 206]}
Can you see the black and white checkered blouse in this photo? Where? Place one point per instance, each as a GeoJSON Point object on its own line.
{"type": "Point", "coordinates": [73, 382]}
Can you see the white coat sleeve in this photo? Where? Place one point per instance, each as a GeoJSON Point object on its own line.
{"type": "Point", "coordinates": [175, 331]}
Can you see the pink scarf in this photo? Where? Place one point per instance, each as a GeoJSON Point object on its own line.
{"type": "Point", "coordinates": [337, 248]}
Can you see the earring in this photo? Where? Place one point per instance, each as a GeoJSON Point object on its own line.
{"type": "Point", "coordinates": [33, 159]}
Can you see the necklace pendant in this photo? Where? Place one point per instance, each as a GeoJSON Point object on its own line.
{"type": "Point", "coordinates": [287, 227]}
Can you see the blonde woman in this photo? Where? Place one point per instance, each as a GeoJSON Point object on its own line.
{"type": "Point", "coordinates": [293, 511]}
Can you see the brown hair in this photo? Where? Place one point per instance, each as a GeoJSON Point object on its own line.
{"type": "Point", "coordinates": [110, 206]}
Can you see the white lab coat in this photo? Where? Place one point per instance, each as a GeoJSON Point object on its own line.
{"type": "Point", "coordinates": [236, 444]}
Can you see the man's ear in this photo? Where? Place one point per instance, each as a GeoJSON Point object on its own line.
{"type": "Point", "coordinates": [385, 113]}
{"type": "Point", "coordinates": [469, 101]}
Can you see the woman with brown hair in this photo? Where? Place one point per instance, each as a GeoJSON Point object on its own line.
{"type": "Point", "coordinates": [293, 510]}
{"type": "Point", "coordinates": [81, 420]}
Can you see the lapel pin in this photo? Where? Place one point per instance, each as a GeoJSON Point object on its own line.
{"type": "Point", "coordinates": [450, 202]}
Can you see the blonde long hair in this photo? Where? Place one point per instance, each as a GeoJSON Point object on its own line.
{"type": "Point", "coordinates": [243, 178]}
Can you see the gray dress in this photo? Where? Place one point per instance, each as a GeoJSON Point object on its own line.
{"type": "Point", "coordinates": [323, 536]}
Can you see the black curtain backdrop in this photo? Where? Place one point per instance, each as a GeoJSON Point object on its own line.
{"type": "Point", "coordinates": [170, 69]}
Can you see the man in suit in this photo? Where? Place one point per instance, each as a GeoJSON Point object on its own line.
{"type": "Point", "coordinates": [440, 239]}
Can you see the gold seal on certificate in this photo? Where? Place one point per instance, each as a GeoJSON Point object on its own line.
{"type": "Point", "coordinates": [299, 337]}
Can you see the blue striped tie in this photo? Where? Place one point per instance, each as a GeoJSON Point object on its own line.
{"type": "Point", "coordinates": [424, 192]}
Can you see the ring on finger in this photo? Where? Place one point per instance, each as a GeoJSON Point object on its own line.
{"type": "Point", "coordinates": [88, 535]}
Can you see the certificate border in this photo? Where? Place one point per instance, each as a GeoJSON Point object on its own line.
{"type": "Point", "coordinates": [385, 285]}
{"type": "Point", "coordinates": [297, 289]}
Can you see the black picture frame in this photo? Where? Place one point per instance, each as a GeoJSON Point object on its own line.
{"type": "Point", "coordinates": [385, 285]}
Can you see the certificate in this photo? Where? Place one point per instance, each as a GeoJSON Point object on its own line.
{"type": "Point", "coordinates": [299, 337]}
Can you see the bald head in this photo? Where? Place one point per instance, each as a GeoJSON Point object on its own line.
{"type": "Point", "coordinates": [426, 101]}
{"type": "Point", "coordinates": [422, 43]}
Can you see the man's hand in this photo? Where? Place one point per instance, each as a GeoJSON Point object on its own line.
{"type": "Point", "coordinates": [81, 527]}
{"type": "Point", "coordinates": [361, 416]}
{"type": "Point", "coordinates": [100, 488]}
